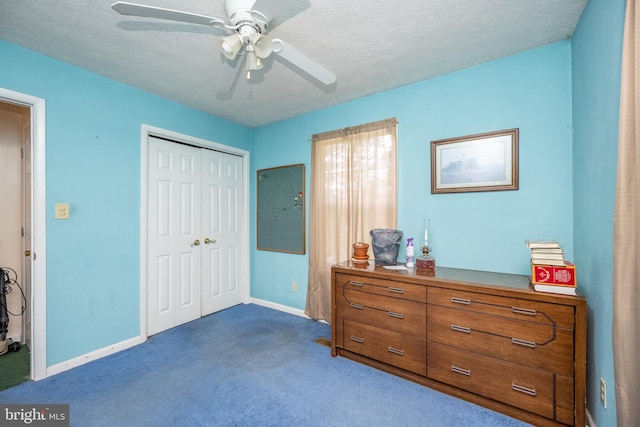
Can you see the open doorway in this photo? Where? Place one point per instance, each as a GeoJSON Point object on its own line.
{"type": "Point", "coordinates": [15, 244]}
{"type": "Point", "coordinates": [22, 237]}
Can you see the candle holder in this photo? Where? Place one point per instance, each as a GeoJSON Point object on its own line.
{"type": "Point", "coordinates": [426, 261]}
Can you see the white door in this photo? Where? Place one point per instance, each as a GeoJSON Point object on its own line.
{"type": "Point", "coordinates": [195, 205]}
{"type": "Point", "coordinates": [221, 225]}
{"type": "Point", "coordinates": [174, 233]}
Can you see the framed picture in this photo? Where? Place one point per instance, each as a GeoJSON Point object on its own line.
{"type": "Point", "coordinates": [482, 162]}
{"type": "Point", "coordinates": [281, 206]}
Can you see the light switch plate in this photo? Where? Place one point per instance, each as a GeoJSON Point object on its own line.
{"type": "Point", "coordinates": [62, 211]}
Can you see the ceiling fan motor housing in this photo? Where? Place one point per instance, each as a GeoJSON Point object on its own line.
{"type": "Point", "coordinates": [239, 13]}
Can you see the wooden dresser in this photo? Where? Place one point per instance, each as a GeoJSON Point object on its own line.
{"type": "Point", "coordinates": [483, 337]}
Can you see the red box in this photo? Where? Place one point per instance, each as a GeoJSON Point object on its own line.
{"type": "Point", "coordinates": [554, 275]}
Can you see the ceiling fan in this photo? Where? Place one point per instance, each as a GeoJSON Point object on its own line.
{"type": "Point", "coordinates": [247, 23]}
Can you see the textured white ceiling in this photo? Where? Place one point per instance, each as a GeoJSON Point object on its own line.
{"type": "Point", "coordinates": [371, 45]}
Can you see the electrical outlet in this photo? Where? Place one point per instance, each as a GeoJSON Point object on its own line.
{"type": "Point", "coordinates": [62, 211]}
{"type": "Point", "coordinates": [603, 392]}
{"type": "Point", "coordinates": [294, 287]}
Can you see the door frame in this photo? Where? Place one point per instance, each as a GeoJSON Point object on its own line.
{"type": "Point", "coordinates": [38, 220]}
{"type": "Point", "coordinates": [145, 132]}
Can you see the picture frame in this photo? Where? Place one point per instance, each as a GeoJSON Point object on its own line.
{"type": "Point", "coordinates": [481, 162]}
{"type": "Point", "coordinates": [281, 209]}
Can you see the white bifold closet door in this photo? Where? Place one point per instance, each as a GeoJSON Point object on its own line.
{"type": "Point", "coordinates": [194, 232]}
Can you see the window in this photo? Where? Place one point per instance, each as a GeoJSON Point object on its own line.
{"type": "Point", "coordinates": [353, 190]}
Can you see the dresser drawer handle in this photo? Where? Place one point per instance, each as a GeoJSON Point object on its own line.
{"type": "Point", "coordinates": [466, 372]}
{"type": "Point", "coordinates": [526, 311]}
{"type": "Point", "coordinates": [354, 283]}
{"type": "Point", "coordinates": [460, 329]}
{"type": "Point", "coordinates": [396, 290]}
{"type": "Point", "coordinates": [525, 390]}
{"type": "Point", "coordinates": [358, 306]}
{"type": "Point", "coordinates": [396, 351]}
{"type": "Point", "coordinates": [460, 301]}
{"type": "Point", "coordinates": [523, 342]}
{"type": "Point", "coordinates": [396, 315]}
{"type": "Point", "coordinates": [357, 339]}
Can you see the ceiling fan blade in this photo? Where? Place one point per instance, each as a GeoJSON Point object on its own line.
{"type": "Point", "coordinates": [269, 8]}
{"type": "Point", "coordinates": [125, 8]}
{"type": "Point", "coordinates": [304, 62]}
{"type": "Point", "coordinates": [230, 74]}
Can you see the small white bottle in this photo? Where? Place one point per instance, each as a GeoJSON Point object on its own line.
{"type": "Point", "coordinates": [410, 253]}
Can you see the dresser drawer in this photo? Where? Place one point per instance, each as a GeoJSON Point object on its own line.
{"type": "Point", "coordinates": [390, 347]}
{"type": "Point", "coordinates": [510, 383]}
{"type": "Point", "coordinates": [403, 316]}
{"type": "Point", "coordinates": [396, 289]}
{"type": "Point", "coordinates": [557, 315]}
{"type": "Point", "coordinates": [526, 343]}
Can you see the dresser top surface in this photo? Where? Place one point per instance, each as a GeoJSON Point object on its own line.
{"type": "Point", "coordinates": [445, 276]}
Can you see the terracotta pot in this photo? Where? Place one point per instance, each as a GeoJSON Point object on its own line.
{"type": "Point", "coordinates": [360, 250]}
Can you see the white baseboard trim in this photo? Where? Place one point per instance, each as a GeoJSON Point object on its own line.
{"type": "Point", "coordinates": [278, 307]}
{"type": "Point", "coordinates": [590, 421]}
{"type": "Point", "coordinates": [281, 307]}
{"type": "Point", "coordinates": [94, 355]}
{"type": "Point", "coordinates": [123, 345]}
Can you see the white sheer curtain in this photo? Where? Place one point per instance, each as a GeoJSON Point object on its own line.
{"type": "Point", "coordinates": [353, 190]}
{"type": "Point", "coordinates": [626, 239]}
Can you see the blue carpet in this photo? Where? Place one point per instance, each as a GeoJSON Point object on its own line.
{"type": "Point", "coordinates": [245, 366]}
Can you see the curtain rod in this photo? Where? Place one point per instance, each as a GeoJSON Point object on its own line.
{"type": "Point", "coordinates": [353, 129]}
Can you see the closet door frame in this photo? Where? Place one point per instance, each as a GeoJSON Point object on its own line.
{"type": "Point", "coordinates": [146, 132]}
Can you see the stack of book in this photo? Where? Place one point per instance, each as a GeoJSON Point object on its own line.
{"type": "Point", "coordinates": [550, 271]}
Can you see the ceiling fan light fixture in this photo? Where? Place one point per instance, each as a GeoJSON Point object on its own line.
{"type": "Point", "coordinates": [231, 45]}
{"type": "Point", "coordinates": [262, 45]}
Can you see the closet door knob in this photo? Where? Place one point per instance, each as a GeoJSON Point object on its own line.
{"type": "Point", "coordinates": [195, 243]}
{"type": "Point", "coordinates": [208, 240]}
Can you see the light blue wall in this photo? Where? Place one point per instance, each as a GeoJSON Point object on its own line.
{"type": "Point", "coordinates": [93, 163]}
{"type": "Point", "coordinates": [596, 56]}
{"type": "Point", "coordinates": [486, 231]}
